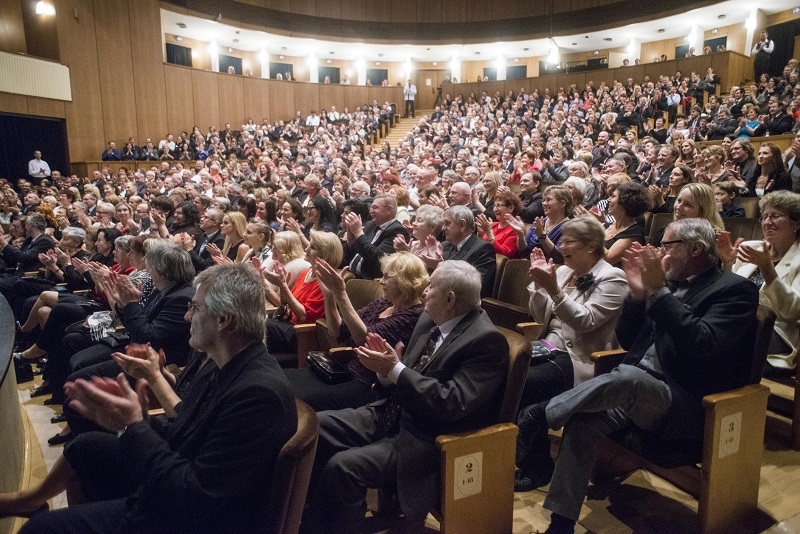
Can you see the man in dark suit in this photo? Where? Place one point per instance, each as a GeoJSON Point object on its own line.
{"type": "Point", "coordinates": [742, 158]}
{"type": "Point", "coordinates": [778, 122]}
{"type": "Point", "coordinates": [723, 125]}
{"type": "Point", "coordinates": [448, 380]}
{"type": "Point", "coordinates": [689, 329]}
{"type": "Point", "coordinates": [365, 245]}
{"type": "Point", "coordinates": [210, 468]}
{"type": "Point", "coordinates": [462, 243]}
{"type": "Point", "coordinates": [26, 256]}
{"type": "Point", "coordinates": [210, 223]}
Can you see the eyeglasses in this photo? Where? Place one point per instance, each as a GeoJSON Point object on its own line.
{"type": "Point", "coordinates": [775, 217]}
{"type": "Point", "coordinates": [193, 307]}
{"type": "Point", "coordinates": [666, 245]}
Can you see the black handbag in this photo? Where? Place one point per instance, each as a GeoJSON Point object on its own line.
{"type": "Point", "coordinates": [328, 369]}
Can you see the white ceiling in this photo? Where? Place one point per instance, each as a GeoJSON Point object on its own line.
{"type": "Point", "coordinates": [707, 18]}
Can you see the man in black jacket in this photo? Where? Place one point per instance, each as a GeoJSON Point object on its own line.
{"type": "Point", "coordinates": [366, 244]}
{"type": "Point", "coordinates": [207, 471]}
{"type": "Point", "coordinates": [777, 122]}
{"type": "Point", "coordinates": [689, 329]}
{"type": "Point", "coordinates": [25, 257]}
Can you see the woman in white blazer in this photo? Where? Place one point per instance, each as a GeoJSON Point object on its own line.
{"type": "Point", "coordinates": [578, 305]}
{"type": "Point", "coordinates": [774, 265]}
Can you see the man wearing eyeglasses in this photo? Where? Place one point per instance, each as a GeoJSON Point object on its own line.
{"type": "Point", "coordinates": [689, 329]}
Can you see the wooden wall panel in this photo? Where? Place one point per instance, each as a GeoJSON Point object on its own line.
{"type": "Point", "coordinates": [12, 29]}
{"type": "Point", "coordinates": [331, 95]}
{"type": "Point", "coordinates": [85, 126]}
{"type": "Point", "coordinates": [331, 9]}
{"type": "Point", "coordinates": [356, 97]}
{"type": "Point", "coordinates": [148, 71]}
{"type": "Point", "coordinates": [11, 103]}
{"type": "Point", "coordinates": [205, 94]}
{"type": "Point", "coordinates": [454, 10]}
{"type": "Point", "coordinates": [430, 11]}
{"type": "Point", "coordinates": [306, 98]}
{"type": "Point", "coordinates": [576, 78]}
{"type": "Point", "coordinates": [179, 100]}
{"type": "Point", "coordinates": [45, 107]}
{"type": "Point", "coordinates": [303, 7]}
{"type": "Point", "coordinates": [114, 60]}
{"type": "Point", "coordinates": [377, 9]}
{"type": "Point", "coordinates": [256, 99]}
{"type": "Point", "coordinates": [505, 9]}
{"type": "Point", "coordinates": [231, 101]}
{"type": "Point", "coordinates": [281, 101]}
{"type": "Point", "coordinates": [357, 9]}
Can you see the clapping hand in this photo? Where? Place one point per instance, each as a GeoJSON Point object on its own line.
{"type": "Point", "coordinates": [543, 272]}
{"type": "Point", "coordinates": [330, 278]}
{"type": "Point", "coordinates": [148, 369]}
{"type": "Point", "coordinates": [726, 250]}
{"type": "Point", "coordinates": [484, 223]}
{"type": "Point", "coordinates": [109, 402]}
{"type": "Point", "coordinates": [377, 355]}
{"type": "Point", "coordinates": [761, 257]}
{"type": "Point", "coordinates": [432, 252]}
{"type": "Point", "coordinates": [645, 272]}
{"type": "Point", "coordinates": [213, 250]}
{"type": "Point", "coordinates": [400, 244]}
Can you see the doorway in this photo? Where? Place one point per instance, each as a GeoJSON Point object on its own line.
{"type": "Point", "coordinates": [21, 135]}
{"type": "Point", "coordinates": [428, 82]}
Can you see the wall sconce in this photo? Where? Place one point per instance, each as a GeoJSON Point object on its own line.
{"type": "Point", "coordinates": [328, 61]}
{"type": "Point", "coordinates": [45, 8]}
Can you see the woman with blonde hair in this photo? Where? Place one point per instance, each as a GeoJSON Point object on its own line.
{"type": "Point", "coordinates": [287, 250]}
{"type": "Point", "coordinates": [694, 200]}
{"type": "Point", "coordinates": [392, 317]}
{"type": "Point", "coordinates": [302, 303]}
{"type": "Point", "coordinates": [234, 228]}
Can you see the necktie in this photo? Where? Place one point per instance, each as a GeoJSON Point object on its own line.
{"type": "Point", "coordinates": [204, 245]}
{"type": "Point", "coordinates": [425, 357]}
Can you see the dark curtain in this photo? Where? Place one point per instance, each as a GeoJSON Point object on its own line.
{"type": "Point", "coordinates": [20, 135]}
{"type": "Point", "coordinates": [783, 35]}
{"type": "Point", "coordinates": [376, 76]}
{"type": "Point", "coordinates": [230, 61]}
{"type": "Point", "coordinates": [179, 55]}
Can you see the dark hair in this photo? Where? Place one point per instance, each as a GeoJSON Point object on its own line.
{"type": "Point", "coordinates": [190, 213]}
{"type": "Point", "coordinates": [359, 207]}
{"type": "Point", "coordinates": [271, 209]}
{"type": "Point", "coordinates": [111, 235]}
{"type": "Point", "coordinates": [163, 203]}
{"type": "Point", "coordinates": [326, 214]}
{"type": "Point", "coordinates": [633, 198]}
{"type": "Point", "coordinates": [297, 209]}
{"type": "Point", "coordinates": [249, 204]}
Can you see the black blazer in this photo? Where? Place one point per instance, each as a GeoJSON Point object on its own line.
{"type": "Point", "coordinates": [161, 322]}
{"type": "Point", "coordinates": [704, 343]}
{"type": "Point", "coordinates": [372, 253]}
{"type": "Point", "coordinates": [210, 470]}
{"type": "Point", "coordinates": [481, 255]}
{"type": "Point", "coordinates": [26, 257]}
{"type": "Point", "coordinates": [203, 260]}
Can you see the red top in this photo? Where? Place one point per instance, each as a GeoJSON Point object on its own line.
{"type": "Point", "coordinates": [310, 296]}
{"type": "Point", "coordinates": [505, 240]}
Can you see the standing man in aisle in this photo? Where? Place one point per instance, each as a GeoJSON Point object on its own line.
{"type": "Point", "coordinates": [410, 92]}
{"type": "Point", "coordinates": [38, 168]}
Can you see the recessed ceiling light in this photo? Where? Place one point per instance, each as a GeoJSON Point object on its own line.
{"type": "Point", "coordinates": [607, 39]}
{"type": "Point", "coordinates": [661, 30]}
{"type": "Point", "coordinates": [477, 53]}
{"type": "Point", "coordinates": [380, 55]}
{"type": "Point", "coordinates": [283, 48]}
{"type": "Point", "coordinates": [585, 36]}
{"type": "Point", "coordinates": [236, 40]}
{"type": "Point", "coordinates": [574, 44]}
{"type": "Point", "coordinates": [237, 32]}
{"type": "Point", "coordinates": [178, 38]}
{"type": "Point", "coordinates": [181, 25]}
{"type": "Point", "coordinates": [331, 52]}
{"type": "Point", "coordinates": [721, 16]}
